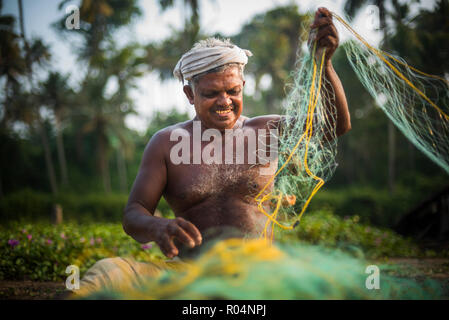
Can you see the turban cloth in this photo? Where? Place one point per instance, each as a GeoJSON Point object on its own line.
{"type": "Point", "coordinates": [200, 60]}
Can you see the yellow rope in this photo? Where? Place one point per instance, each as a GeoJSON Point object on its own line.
{"type": "Point", "coordinates": [313, 100]}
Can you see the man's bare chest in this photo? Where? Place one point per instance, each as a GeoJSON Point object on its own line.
{"type": "Point", "coordinates": [225, 167]}
{"type": "Point", "coordinates": [188, 185]}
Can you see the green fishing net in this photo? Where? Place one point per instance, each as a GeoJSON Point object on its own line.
{"type": "Point", "coordinates": [416, 102]}
{"type": "Point", "coordinates": [255, 269]}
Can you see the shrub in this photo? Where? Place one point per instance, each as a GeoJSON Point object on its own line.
{"type": "Point", "coordinates": [28, 205]}
{"type": "Point", "coordinates": [350, 235]}
{"type": "Point", "coordinates": [373, 206]}
{"type": "Point", "coordinates": [43, 251]}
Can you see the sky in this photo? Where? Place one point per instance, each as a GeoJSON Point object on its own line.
{"type": "Point", "coordinates": [224, 16]}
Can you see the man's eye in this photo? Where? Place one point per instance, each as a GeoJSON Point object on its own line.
{"type": "Point", "coordinates": [234, 92]}
{"type": "Point", "coordinates": [209, 95]}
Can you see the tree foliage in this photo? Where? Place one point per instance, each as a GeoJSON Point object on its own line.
{"type": "Point", "coordinates": [84, 122]}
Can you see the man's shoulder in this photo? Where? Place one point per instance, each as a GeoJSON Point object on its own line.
{"type": "Point", "coordinates": [165, 133]}
{"type": "Point", "coordinates": [259, 122]}
{"type": "Point", "coordinates": [160, 142]}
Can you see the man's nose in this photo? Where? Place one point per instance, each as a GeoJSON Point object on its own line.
{"type": "Point", "coordinates": [224, 100]}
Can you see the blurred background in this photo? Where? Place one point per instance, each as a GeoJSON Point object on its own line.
{"type": "Point", "coordinates": [80, 102]}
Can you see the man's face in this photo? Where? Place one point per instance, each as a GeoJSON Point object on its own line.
{"type": "Point", "coordinates": [218, 98]}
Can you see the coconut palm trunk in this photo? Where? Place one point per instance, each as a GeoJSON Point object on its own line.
{"type": "Point", "coordinates": [40, 125]}
{"type": "Point", "coordinates": [103, 158]}
{"type": "Point", "coordinates": [61, 152]}
{"type": "Point", "coordinates": [48, 160]}
{"type": "Point", "coordinates": [121, 167]}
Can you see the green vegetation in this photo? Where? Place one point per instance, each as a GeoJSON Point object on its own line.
{"type": "Point", "coordinates": [83, 145]}
{"type": "Point", "coordinates": [30, 206]}
{"type": "Point", "coordinates": [350, 235]}
{"type": "Point", "coordinates": [378, 206]}
{"type": "Point", "coordinates": [43, 251]}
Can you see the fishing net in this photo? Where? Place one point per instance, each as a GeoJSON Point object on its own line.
{"type": "Point", "coordinates": [237, 269]}
{"type": "Point", "coordinates": [416, 102]}
{"type": "Point", "coordinates": [257, 269]}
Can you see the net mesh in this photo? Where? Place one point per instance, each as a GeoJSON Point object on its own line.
{"type": "Point", "coordinates": [416, 102]}
{"type": "Point", "coordinates": [254, 269]}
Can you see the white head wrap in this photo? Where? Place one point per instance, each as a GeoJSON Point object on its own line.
{"type": "Point", "coordinates": [200, 60]}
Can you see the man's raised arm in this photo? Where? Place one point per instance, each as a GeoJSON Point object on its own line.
{"type": "Point", "coordinates": [326, 37]}
{"type": "Point", "coordinates": [138, 220]}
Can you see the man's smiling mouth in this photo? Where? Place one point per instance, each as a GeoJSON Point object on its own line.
{"type": "Point", "coordinates": [224, 110]}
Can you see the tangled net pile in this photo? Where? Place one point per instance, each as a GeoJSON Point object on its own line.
{"type": "Point", "coordinates": [255, 269]}
{"type": "Point", "coordinates": [416, 102]}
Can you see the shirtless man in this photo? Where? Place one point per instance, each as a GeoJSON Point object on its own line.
{"type": "Point", "coordinates": [203, 196]}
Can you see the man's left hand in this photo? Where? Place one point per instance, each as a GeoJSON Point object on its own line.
{"type": "Point", "coordinates": [324, 33]}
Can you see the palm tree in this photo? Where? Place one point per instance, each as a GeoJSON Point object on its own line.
{"type": "Point", "coordinates": [12, 66]}
{"type": "Point", "coordinates": [164, 56]}
{"type": "Point", "coordinates": [105, 116]}
{"type": "Point", "coordinates": [36, 54]}
{"type": "Point", "coordinates": [280, 28]}
{"type": "Point", "coordinates": [12, 63]}
{"type": "Point", "coordinates": [126, 66]}
{"type": "Point", "coordinates": [58, 96]}
{"type": "Point", "coordinates": [99, 19]}
{"type": "Point", "coordinates": [192, 25]}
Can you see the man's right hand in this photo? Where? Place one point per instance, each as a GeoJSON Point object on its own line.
{"type": "Point", "coordinates": [178, 228]}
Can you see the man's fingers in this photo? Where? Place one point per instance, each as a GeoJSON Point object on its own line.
{"type": "Point", "coordinates": [181, 230]}
{"type": "Point", "coordinates": [191, 230]}
{"type": "Point", "coordinates": [168, 247]}
{"type": "Point", "coordinates": [321, 22]}
{"type": "Point", "coordinates": [321, 34]}
{"type": "Point", "coordinates": [182, 236]}
{"type": "Point", "coordinates": [328, 42]}
{"type": "Point", "coordinates": [325, 31]}
{"type": "Point", "coordinates": [323, 11]}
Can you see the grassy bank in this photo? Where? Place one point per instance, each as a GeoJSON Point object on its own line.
{"type": "Point", "coordinates": [41, 251]}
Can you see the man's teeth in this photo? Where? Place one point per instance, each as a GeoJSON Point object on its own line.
{"type": "Point", "coordinates": [222, 111]}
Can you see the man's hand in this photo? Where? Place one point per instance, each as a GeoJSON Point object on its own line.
{"type": "Point", "coordinates": [324, 33]}
{"type": "Point", "coordinates": [179, 228]}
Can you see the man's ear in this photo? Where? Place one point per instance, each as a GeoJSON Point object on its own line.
{"type": "Point", "coordinates": [189, 93]}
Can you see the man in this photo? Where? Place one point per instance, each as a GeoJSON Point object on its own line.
{"type": "Point", "coordinates": [209, 199]}
{"type": "Point", "coordinates": [205, 197]}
